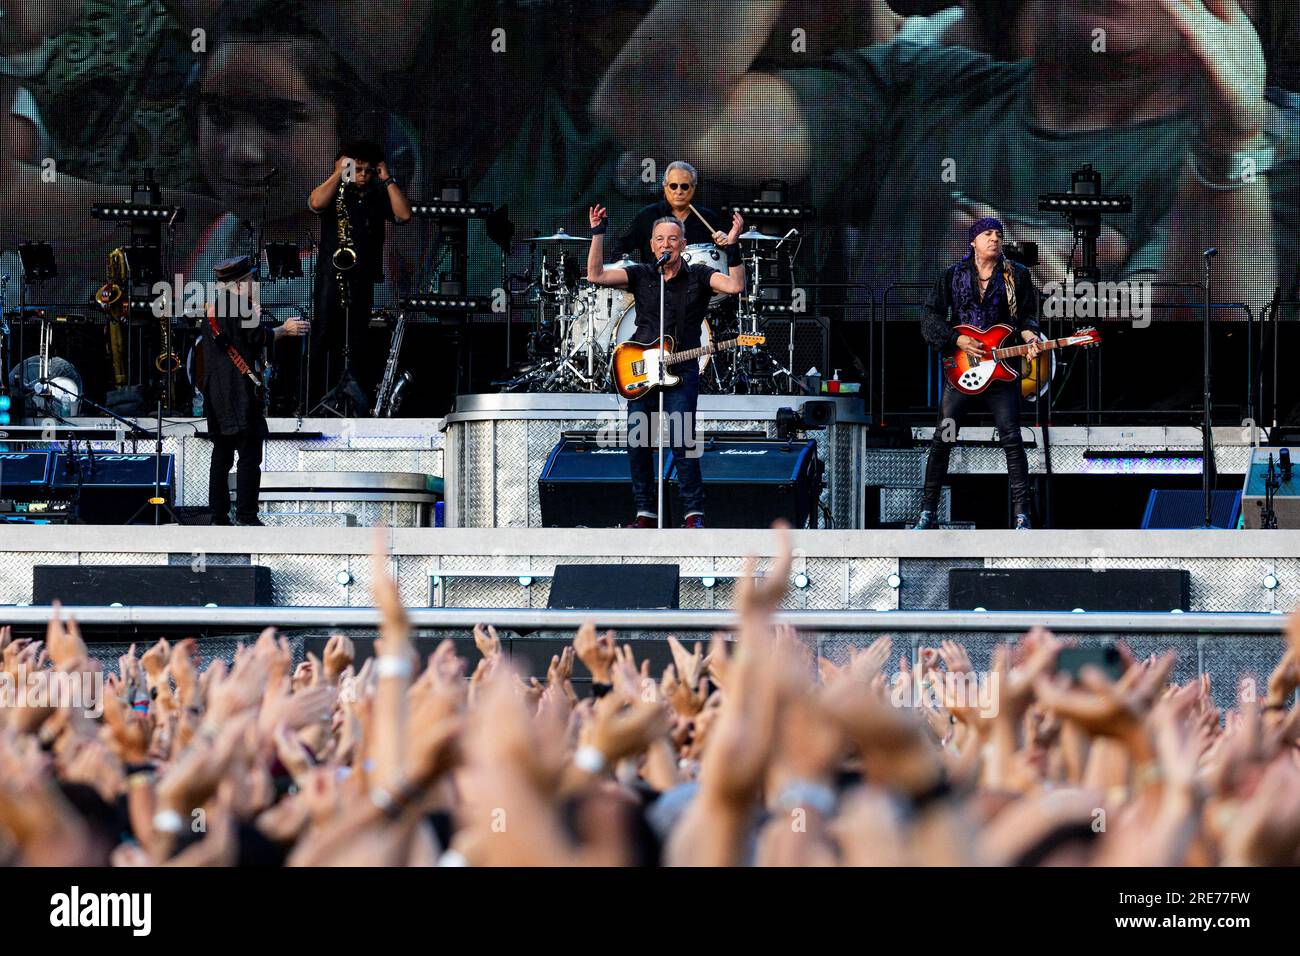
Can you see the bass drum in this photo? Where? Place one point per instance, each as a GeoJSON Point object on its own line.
{"type": "Point", "coordinates": [627, 328]}
{"type": "Point", "coordinates": [603, 307]}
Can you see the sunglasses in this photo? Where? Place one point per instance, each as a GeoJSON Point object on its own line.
{"type": "Point", "coordinates": [682, 186]}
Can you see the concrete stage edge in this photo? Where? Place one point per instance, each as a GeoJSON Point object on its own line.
{"type": "Point", "coordinates": [1230, 571]}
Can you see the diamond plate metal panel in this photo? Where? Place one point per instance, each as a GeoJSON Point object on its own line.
{"type": "Point", "coordinates": [904, 504]}
{"type": "Point", "coordinates": [840, 495]}
{"type": "Point", "coordinates": [1287, 595]}
{"type": "Point", "coordinates": [352, 459]}
{"type": "Point", "coordinates": [185, 559]}
{"type": "Point", "coordinates": [1227, 659]}
{"type": "Point", "coordinates": [869, 584]}
{"type": "Point", "coordinates": [283, 455]}
{"type": "Point", "coordinates": [925, 581]}
{"type": "Point", "coordinates": [476, 474]}
{"type": "Point", "coordinates": [512, 475]}
{"type": "Point", "coordinates": [16, 572]}
{"type": "Point", "coordinates": [197, 457]}
{"type": "Point", "coordinates": [413, 579]}
{"type": "Point", "coordinates": [1216, 584]}
{"type": "Point", "coordinates": [305, 580]}
{"type": "Point", "coordinates": [387, 442]}
{"type": "Point", "coordinates": [121, 557]}
{"type": "Point", "coordinates": [318, 459]}
{"type": "Point", "coordinates": [894, 467]}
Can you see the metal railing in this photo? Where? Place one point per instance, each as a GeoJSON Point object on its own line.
{"type": "Point", "coordinates": [538, 619]}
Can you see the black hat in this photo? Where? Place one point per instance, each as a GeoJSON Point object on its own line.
{"type": "Point", "coordinates": [234, 269]}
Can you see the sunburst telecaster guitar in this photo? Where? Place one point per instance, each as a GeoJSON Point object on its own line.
{"type": "Point", "coordinates": [640, 368]}
{"type": "Point", "coordinates": [971, 377]}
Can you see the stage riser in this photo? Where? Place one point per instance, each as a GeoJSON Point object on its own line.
{"type": "Point", "coordinates": [846, 570]}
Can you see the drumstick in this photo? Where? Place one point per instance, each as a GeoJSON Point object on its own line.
{"type": "Point", "coordinates": [702, 219]}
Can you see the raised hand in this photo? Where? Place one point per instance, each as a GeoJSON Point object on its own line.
{"type": "Point", "coordinates": [340, 653]}
{"type": "Point", "coordinates": [486, 640]}
{"type": "Point", "coordinates": [597, 653]}
{"type": "Point", "coordinates": [596, 215]}
{"type": "Point", "coordinates": [757, 599]}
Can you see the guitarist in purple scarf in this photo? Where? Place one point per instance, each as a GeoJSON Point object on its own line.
{"type": "Point", "coordinates": [983, 290]}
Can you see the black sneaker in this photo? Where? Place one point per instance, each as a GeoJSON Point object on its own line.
{"type": "Point", "coordinates": [1023, 523]}
{"type": "Point", "coordinates": [253, 522]}
{"type": "Point", "coordinates": [928, 521]}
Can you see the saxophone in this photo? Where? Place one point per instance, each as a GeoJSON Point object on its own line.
{"type": "Point", "coordinates": [389, 397]}
{"type": "Point", "coordinates": [111, 298]}
{"type": "Point", "coordinates": [345, 256]}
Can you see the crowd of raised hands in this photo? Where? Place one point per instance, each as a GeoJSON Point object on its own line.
{"type": "Point", "coordinates": [754, 753]}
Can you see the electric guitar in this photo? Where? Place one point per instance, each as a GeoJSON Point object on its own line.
{"type": "Point", "coordinates": [640, 368]}
{"type": "Point", "coordinates": [971, 377]}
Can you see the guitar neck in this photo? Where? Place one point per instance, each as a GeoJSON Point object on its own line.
{"type": "Point", "coordinates": [710, 349]}
{"type": "Point", "coordinates": [1011, 351]}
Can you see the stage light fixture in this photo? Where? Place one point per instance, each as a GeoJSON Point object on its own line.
{"type": "Point", "coordinates": [895, 581]}
{"type": "Point", "coordinates": [525, 580]}
{"type": "Point", "coordinates": [801, 581]}
{"type": "Point", "coordinates": [344, 578]}
{"type": "Point", "coordinates": [1270, 582]}
{"type": "Point", "coordinates": [708, 581]}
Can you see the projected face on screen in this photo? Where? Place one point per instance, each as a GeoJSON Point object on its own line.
{"type": "Point", "coordinates": [258, 113]}
{"type": "Point", "coordinates": [26, 23]}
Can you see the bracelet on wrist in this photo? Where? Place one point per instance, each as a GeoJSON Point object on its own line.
{"type": "Point", "coordinates": [168, 821]}
{"type": "Point", "coordinates": [393, 665]}
{"type": "Point", "coordinates": [589, 760]}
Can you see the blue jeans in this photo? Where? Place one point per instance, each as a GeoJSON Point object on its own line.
{"type": "Point", "coordinates": [679, 429]}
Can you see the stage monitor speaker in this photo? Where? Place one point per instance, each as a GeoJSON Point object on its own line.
{"type": "Point", "coordinates": [618, 586]}
{"type": "Point", "coordinates": [750, 482]}
{"type": "Point", "coordinates": [24, 475]}
{"type": "Point", "coordinates": [587, 483]}
{"type": "Point", "coordinates": [113, 486]}
{"type": "Point", "coordinates": [1179, 509]}
{"type": "Point", "coordinates": [1064, 589]}
{"type": "Point", "coordinates": [164, 585]}
{"type": "Point", "coordinates": [1286, 498]}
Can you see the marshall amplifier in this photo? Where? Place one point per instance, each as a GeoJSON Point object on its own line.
{"type": "Point", "coordinates": [587, 483]}
{"type": "Point", "coordinates": [113, 486]}
{"type": "Point", "coordinates": [750, 482]}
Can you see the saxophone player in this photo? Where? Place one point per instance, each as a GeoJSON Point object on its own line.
{"type": "Point", "coordinates": [355, 204]}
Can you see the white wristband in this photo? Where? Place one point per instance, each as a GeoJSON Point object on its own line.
{"type": "Point", "coordinates": [168, 821]}
{"type": "Point", "coordinates": [392, 665]}
{"type": "Point", "coordinates": [589, 760]}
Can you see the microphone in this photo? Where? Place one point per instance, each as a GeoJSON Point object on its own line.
{"type": "Point", "coordinates": [1211, 252]}
{"type": "Point", "coordinates": [792, 232]}
{"type": "Point", "coordinates": [171, 223]}
{"type": "Point", "coordinates": [271, 176]}
{"type": "Point", "coordinates": [663, 260]}
{"type": "Point", "coordinates": [1284, 458]}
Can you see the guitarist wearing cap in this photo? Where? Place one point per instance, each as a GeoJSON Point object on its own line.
{"type": "Point", "coordinates": [232, 339]}
{"type": "Point", "coordinates": [983, 290]}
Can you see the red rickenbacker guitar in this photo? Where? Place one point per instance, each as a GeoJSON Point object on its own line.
{"type": "Point", "coordinates": [973, 377]}
{"type": "Point", "coordinates": [639, 368]}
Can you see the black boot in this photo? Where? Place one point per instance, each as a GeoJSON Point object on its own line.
{"type": "Point", "coordinates": [928, 521]}
{"type": "Point", "coordinates": [1023, 523]}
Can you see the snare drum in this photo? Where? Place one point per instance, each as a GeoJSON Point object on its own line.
{"type": "Point", "coordinates": [627, 328]}
{"type": "Point", "coordinates": [706, 253]}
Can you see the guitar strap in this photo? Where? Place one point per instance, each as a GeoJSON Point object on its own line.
{"type": "Point", "coordinates": [224, 342]}
{"type": "Point", "coordinates": [1009, 280]}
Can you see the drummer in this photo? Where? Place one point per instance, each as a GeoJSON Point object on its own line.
{"type": "Point", "coordinates": [680, 180]}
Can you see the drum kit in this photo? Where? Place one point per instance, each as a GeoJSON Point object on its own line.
{"type": "Point", "coordinates": [578, 323]}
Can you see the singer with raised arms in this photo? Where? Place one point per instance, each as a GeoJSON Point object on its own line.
{"type": "Point", "coordinates": [684, 294]}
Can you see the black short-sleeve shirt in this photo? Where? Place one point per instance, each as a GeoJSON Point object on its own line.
{"type": "Point", "coordinates": [368, 212]}
{"type": "Point", "coordinates": [686, 300]}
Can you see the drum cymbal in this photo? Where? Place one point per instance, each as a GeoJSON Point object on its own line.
{"type": "Point", "coordinates": [559, 236]}
{"type": "Point", "coordinates": [755, 236]}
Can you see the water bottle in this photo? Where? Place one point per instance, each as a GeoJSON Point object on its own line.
{"type": "Point", "coordinates": [198, 404]}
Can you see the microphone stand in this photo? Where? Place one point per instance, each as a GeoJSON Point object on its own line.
{"type": "Point", "coordinates": [1207, 431]}
{"type": "Point", "coordinates": [662, 285]}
